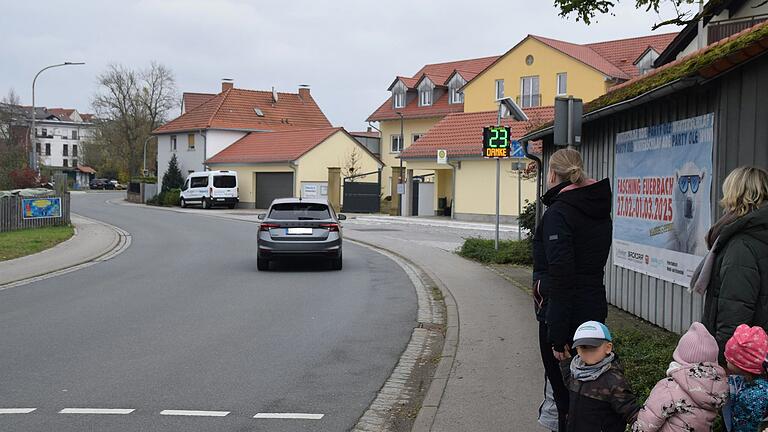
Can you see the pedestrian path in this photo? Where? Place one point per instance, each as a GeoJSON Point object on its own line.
{"type": "Point", "coordinates": [432, 222]}
{"type": "Point", "coordinates": [92, 241]}
{"type": "Point", "coordinates": [496, 380]}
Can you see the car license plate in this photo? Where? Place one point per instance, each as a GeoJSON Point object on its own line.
{"type": "Point", "coordinates": [298, 231]}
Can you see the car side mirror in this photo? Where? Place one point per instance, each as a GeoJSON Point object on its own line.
{"type": "Point", "coordinates": [342, 217]}
{"type": "Point", "coordinates": [261, 216]}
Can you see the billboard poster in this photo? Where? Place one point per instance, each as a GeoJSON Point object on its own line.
{"type": "Point", "coordinates": [662, 198]}
{"type": "Point", "coordinates": [41, 208]}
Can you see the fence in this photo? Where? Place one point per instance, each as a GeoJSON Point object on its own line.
{"type": "Point", "coordinates": [12, 214]}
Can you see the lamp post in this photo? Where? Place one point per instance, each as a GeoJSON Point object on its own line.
{"type": "Point", "coordinates": [33, 131]}
{"type": "Point", "coordinates": [400, 173]}
{"type": "Point", "coordinates": [144, 171]}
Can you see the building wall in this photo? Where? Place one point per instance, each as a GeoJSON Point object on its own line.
{"type": "Point", "coordinates": [334, 152]}
{"type": "Point", "coordinates": [583, 81]}
{"type": "Point", "coordinates": [218, 140]}
{"type": "Point", "coordinates": [740, 139]}
{"type": "Point", "coordinates": [246, 178]}
{"type": "Point", "coordinates": [61, 134]}
{"type": "Point", "coordinates": [476, 190]}
{"type": "Point", "coordinates": [390, 128]}
{"type": "Point", "coordinates": [188, 160]}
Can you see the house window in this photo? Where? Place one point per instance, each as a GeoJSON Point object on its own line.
{"type": "Point", "coordinates": [173, 143]}
{"type": "Point", "coordinates": [37, 148]}
{"type": "Point", "coordinates": [416, 136]}
{"type": "Point", "coordinates": [65, 151]}
{"type": "Point", "coordinates": [399, 99]}
{"type": "Point", "coordinates": [66, 163]}
{"type": "Point", "coordinates": [74, 135]}
{"type": "Point", "coordinates": [425, 97]}
{"type": "Point", "coordinates": [74, 150]}
{"type": "Point", "coordinates": [562, 84]}
{"type": "Point", "coordinates": [190, 141]}
{"type": "Point", "coordinates": [44, 132]}
{"type": "Point", "coordinates": [529, 91]}
{"type": "Point", "coordinates": [397, 144]}
{"type": "Point", "coordinates": [47, 149]}
{"type": "Point", "coordinates": [499, 89]}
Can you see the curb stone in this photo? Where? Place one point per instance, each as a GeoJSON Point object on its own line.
{"type": "Point", "coordinates": [394, 393]}
{"type": "Point", "coordinates": [118, 246]}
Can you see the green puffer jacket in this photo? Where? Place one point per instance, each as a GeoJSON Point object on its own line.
{"type": "Point", "coordinates": [738, 288]}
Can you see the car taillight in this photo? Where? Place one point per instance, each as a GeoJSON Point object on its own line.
{"type": "Point", "coordinates": [268, 226]}
{"type": "Point", "coordinates": [332, 227]}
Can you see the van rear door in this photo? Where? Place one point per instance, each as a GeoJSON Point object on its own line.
{"type": "Point", "coordinates": [225, 185]}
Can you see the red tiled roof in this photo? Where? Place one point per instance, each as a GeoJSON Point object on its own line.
{"type": "Point", "coordinates": [585, 55]}
{"type": "Point", "coordinates": [194, 100]}
{"type": "Point", "coordinates": [234, 109]}
{"type": "Point", "coordinates": [86, 169]}
{"type": "Point", "coordinates": [62, 113]}
{"type": "Point", "coordinates": [439, 73]}
{"type": "Point", "coordinates": [87, 117]}
{"type": "Point", "coordinates": [462, 134]}
{"type": "Point", "coordinates": [264, 147]}
{"type": "Point", "coordinates": [623, 53]}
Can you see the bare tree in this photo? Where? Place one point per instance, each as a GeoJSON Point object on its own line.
{"type": "Point", "coordinates": [129, 105]}
{"type": "Point", "coordinates": [13, 135]}
{"type": "Point", "coordinates": [352, 164]}
{"type": "Point", "coordinates": [587, 10]}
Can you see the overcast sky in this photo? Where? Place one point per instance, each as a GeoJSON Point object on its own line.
{"type": "Point", "coordinates": [349, 51]}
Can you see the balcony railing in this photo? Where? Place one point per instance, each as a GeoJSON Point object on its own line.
{"type": "Point", "coordinates": [720, 30]}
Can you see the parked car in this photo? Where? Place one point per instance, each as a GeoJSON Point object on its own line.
{"type": "Point", "coordinates": [116, 185]}
{"type": "Point", "coordinates": [210, 188]}
{"type": "Point", "coordinates": [100, 183]}
{"type": "Point", "coordinates": [298, 228]}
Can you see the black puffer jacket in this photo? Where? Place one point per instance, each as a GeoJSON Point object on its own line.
{"type": "Point", "coordinates": [570, 249]}
{"type": "Point", "coordinates": [738, 288]}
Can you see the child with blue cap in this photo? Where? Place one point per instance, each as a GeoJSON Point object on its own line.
{"type": "Point", "coordinates": [600, 397]}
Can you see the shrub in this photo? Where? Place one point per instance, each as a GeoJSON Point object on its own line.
{"type": "Point", "coordinates": [171, 197]}
{"type": "Point", "coordinates": [528, 217]}
{"type": "Point", "coordinates": [172, 179]}
{"type": "Point", "coordinates": [24, 178]}
{"type": "Point", "coordinates": [510, 251]}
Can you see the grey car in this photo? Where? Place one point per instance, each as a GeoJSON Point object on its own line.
{"type": "Point", "coordinates": [296, 228]}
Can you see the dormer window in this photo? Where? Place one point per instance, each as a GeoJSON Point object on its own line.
{"type": "Point", "coordinates": [398, 95]}
{"type": "Point", "coordinates": [454, 95]}
{"type": "Point", "coordinates": [644, 63]}
{"type": "Point", "coordinates": [426, 92]}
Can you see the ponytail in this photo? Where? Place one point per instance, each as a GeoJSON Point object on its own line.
{"type": "Point", "coordinates": [568, 165]}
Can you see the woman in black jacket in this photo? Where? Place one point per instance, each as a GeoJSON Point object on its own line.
{"type": "Point", "coordinates": [734, 275]}
{"type": "Point", "coordinates": [570, 250]}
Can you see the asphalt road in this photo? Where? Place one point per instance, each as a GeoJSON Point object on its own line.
{"type": "Point", "coordinates": [183, 321]}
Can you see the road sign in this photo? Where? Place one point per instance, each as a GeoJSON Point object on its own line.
{"type": "Point", "coordinates": [442, 157]}
{"type": "Point", "coordinates": [517, 149]}
{"type": "Point", "coordinates": [496, 142]}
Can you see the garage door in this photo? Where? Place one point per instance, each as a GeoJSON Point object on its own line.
{"type": "Point", "coordinates": [272, 185]}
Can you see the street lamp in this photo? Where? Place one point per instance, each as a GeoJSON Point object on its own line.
{"type": "Point", "coordinates": [33, 132]}
{"type": "Point", "coordinates": [400, 173]}
{"type": "Point", "coordinates": [145, 154]}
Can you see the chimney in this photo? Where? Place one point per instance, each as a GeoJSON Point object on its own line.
{"type": "Point", "coordinates": [304, 92]}
{"type": "Point", "coordinates": [226, 84]}
{"type": "Point", "coordinates": [274, 95]}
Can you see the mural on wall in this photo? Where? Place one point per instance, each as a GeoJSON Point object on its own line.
{"type": "Point", "coordinates": [41, 208]}
{"type": "Point", "coordinates": [662, 198]}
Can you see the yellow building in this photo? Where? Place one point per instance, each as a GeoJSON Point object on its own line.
{"type": "Point", "coordinates": [293, 163]}
{"type": "Point", "coordinates": [538, 69]}
{"type": "Point", "coordinates": [420, 102]}
{"type": "Point", "coordinates": [533, 73]}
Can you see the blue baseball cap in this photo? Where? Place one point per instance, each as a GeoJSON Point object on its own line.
{"type": "Point", "coordinates": [591, 333]}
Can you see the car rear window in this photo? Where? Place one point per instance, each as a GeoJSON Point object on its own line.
{"type": "Point", "coordinates": [299, 211]}
{"type": "Point", "coordinates": [197, 182]}
{"type": "Point", "coordinates": [225, 181]}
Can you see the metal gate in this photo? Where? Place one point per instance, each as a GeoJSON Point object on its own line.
{"type": "Point", "coordinates": [362, 197]}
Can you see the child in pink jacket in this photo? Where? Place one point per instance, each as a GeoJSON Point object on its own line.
{"type": "Point", "coordinates": [696, 387]}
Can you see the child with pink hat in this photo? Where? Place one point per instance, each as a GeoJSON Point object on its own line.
{"type": "Point", "coordinates": [747, 356]}
{"type": "Point", "coordinates": [694, 390]}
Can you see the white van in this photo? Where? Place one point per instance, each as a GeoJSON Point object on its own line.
{"type": "Point", "coordinates": [210, 188]}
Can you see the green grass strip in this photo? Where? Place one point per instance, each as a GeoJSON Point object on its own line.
{"type": "Point", "coordinates": [15, 244]}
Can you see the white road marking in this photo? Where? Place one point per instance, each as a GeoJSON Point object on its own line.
{"type": "Point", "coordinates": [16, 410]}
{"type": "Point", "coordinates": [194, 413]}
{"type": "Point", "coordinates": [289, 416]}
{"type": "Point", "coordinates": [96, 411]}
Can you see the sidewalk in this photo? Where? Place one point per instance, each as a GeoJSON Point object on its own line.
{"type": "Point", "coordinates": [91, 240]}
{"type": "Point", "coordinates": [496, 382]}
{"type": "Point", "coordinates": [432, 222]}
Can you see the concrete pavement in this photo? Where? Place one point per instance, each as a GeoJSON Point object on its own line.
{"type": "Point", "coordinates": [93, 241]}
{"type": "Point", "coordinates": [495, 381]}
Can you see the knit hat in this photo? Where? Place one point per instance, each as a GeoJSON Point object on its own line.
{"type": "Point", "coordinates": [696, 346]}
{"type": "Point", "coordinates": [747, 349]}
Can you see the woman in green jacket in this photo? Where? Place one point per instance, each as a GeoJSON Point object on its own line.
{"type": "Point", "coordinates": [734, 274]}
